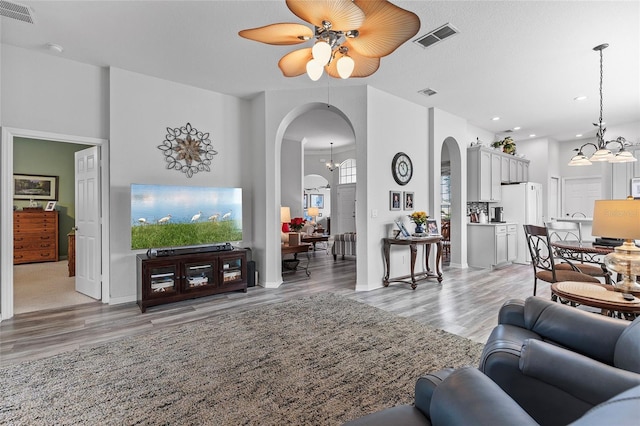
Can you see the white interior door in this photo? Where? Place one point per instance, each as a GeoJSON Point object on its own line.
{"type": "Point", "coordinates": [346, 208]}
{"type": "Point", "coordinates": [579, 195]}
{"type": "Point", "coordinates": [87, 197]}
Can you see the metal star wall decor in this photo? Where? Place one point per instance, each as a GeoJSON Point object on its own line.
{"type": "Point", "coordinates": [187, 144]}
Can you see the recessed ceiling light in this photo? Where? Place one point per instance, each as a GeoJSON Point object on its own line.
{"type": "Point", "coordinates": [580, 98]}
{"type": "Point", "coordinates": [517, 128]}
{"type": "Point", "coordinates": [496, 118]}
{"type": "Point", "coordinates": [532, 135]}
{"type": "Point", "coordinates": [579, 135]}
{"type": "Point", "coordinates": [55, 47]}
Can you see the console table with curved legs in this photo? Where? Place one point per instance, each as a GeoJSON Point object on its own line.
{"type": "Point", "coordinates": [413, 243]}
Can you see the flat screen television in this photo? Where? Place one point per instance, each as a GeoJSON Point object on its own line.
{"type": "Point", "coordinates": [165, 216]}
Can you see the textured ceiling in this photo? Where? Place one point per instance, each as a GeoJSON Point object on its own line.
{"type": "Point", "coordinates": [524, 61]}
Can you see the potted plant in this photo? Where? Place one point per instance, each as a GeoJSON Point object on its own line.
{"type": "Point", "coordinates": [419, 218]}
{"type": "Point", "coordinates": [507, 144]}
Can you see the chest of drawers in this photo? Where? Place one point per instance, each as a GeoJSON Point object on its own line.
{"type": "Point", "coordinates": [35, 236]}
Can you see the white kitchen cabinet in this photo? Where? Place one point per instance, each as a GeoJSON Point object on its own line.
{"type": "Point", "coordinates": [491, 244]}
{"type": "Point", "coordinates": [488, 169]}
{"type": "Point", "coordinates": [484, 175]}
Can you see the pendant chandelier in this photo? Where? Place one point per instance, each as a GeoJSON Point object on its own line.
{"type": "Point", "coordinates": [350, 36]}
{"type": "Point", "coordinates": [331, 165]}
{"type": "Point", "coordinates": [602, 151]}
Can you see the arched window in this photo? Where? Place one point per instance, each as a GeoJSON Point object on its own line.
{"type": "Point", "coordinates": [348, 171]}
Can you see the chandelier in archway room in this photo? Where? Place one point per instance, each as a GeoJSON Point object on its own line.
{"type": "Point", "coordinates": [350, 36]}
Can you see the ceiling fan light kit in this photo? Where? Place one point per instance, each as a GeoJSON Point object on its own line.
{"type": "Point", "coordinates": [350, 36]}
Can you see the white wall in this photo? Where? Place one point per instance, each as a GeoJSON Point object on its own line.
{"type": "Point", "coordinates": [292, 157]}
{"type": "Point", "coordinates": [393, 125]}
{"type": "Point", "coordinates": [50, 94]}
{"type": "Point", "coordinates": [142, 107]}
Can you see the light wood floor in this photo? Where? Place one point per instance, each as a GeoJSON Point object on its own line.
{"type": "Point", "coordinates": [465, 303]}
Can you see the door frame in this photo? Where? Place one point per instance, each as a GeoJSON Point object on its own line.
{"type": "Point", "coordinates": [6, 208]}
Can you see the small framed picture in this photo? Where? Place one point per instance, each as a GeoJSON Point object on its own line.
{"type": "Point", "coordinates": [403, 230]}
{"type": "Point", "coordinates": [305, 201]}
{"type": "Point", "coordinates": [432, 227]}
{"type": "Point", "coordinates": [408, 200]}
{"type": "Point", "coordinates": [51, 206]}
{"type": "Point", "coordinates": [395, 198]}
{"type": "Point", "coordinates": [316, 200]}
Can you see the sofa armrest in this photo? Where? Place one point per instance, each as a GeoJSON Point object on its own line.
{"type": "Point", "coordinates": [426, 385]}
{"type": "Point", "coordinates": [578, 375]}
{"type": "Point", "coordinates": [468, 397]}
{"type": "Point", "coordinates": [512, 313]}
{"type": "Point", "coordinates": [592, 335]}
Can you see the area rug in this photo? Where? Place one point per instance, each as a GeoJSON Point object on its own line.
{"type": "Point", "coordinates": [319, 360]}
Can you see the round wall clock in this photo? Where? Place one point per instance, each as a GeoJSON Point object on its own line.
{"type": "Point", "coordinates": [402, 168]}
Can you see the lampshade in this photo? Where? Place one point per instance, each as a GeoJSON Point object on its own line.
{"type": "Point", "coordinates": [314, 69]}
{"type": "Point", "coordinates": [285, 214]}
{"type": "Point", "coordinates": [313, 212]}
{"type": "Point", "coordinates": [617, 219]}
{"type": "Point", "coordinates": [620, 219]}
{"type": "Point", "coordinates": [321, 52]}
{"type": "Point", "coordinates": [345, 67]}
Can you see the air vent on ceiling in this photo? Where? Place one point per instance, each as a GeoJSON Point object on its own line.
{"type": "Point", "coordinates": [16, 11]}
{"type": "Point", "coordinates": [439, 34]}
{"type": "Point", "coordinates": [427, 92]}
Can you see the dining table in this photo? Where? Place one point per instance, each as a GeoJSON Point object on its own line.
{"type": "Point", "coordinates": [581, 251]}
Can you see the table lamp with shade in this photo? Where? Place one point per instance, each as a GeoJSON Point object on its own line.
{"type": "Point", "coordinates": [620, 219]}
{"type": "Point", "coordinates": [313, 212]}
{"type": "Point", "coordinates": [285, 219]}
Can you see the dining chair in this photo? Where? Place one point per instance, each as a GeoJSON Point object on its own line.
{"type": "Point", "coordinates": [543, 260]}
{"type": "Point", "coordinates": [446, 239]}
{"type": "Point", "coordinates": [572, 231]}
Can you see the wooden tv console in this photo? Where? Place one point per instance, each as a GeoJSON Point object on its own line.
{"type": "Point", "coordinates": [169, 279]}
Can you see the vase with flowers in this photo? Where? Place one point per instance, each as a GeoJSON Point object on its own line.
{"type": "Point", "coordinates": [296, 225]}
{"type": "Point", "coordinates": [419, 218]}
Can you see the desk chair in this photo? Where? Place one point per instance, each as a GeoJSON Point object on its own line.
{"type": "Point", "coordinates": [572, 231]}
{"type": "Point", "coordinates": [543, 262]}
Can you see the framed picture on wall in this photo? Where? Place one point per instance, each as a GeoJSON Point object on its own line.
{"type": "Point", "coordinates": [305, 201]}
{"type": "Point", "coordinates": [408, 200]}
{"type": "Point", "coordinates": [35, 187]}
{"type": "Point", "coordinates": [395, 198]}
{"type": "Point", "coordinates": [316, 200]}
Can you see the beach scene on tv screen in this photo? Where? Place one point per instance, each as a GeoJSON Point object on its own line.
{"type": "Point", "coordinates": [174, 216]}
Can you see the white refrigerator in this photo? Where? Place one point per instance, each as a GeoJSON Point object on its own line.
{"type": "Point", "coordinates": [522, 203]}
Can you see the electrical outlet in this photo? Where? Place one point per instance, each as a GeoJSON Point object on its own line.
{"type": "Point", "coordinates": [374, 212]}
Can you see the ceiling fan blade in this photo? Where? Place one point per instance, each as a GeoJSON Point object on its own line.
{"type": "Point", "coordinates": [385, 28]}
{"type": "Point", "coordinates": [343, 14]}
{"type": "Point", "coordinates": [364, 65]}
{"type": "Point", "coordinates": [279, 34]}
{"type": "Point", "coordinates": [294, 63]}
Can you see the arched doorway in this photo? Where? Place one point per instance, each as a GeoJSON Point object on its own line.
{"type": "Point", "coordinates": [305, 148]}
{"type": "Point", "coordinates": [451, 166]}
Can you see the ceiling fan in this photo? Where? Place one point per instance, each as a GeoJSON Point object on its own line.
{"type": "Point", "coordinates": [350, 36]}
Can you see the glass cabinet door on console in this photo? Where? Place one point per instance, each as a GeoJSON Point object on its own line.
{"type": "Point", "coordinates": [163, 280]}
{"type": "Point", "coordinates": [199, 275]}
{"type": "Point", "coordinates": [232, 270]}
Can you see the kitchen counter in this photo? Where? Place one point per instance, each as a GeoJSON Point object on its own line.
{"type": "Point", "coordinates": [491, 244]}
{"type": "Point", "coordinates": [575, 219]}
{"type": "Point", "coordinates": [585, 225]}
{"type": "Point", "coordinates": [491, 223]}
